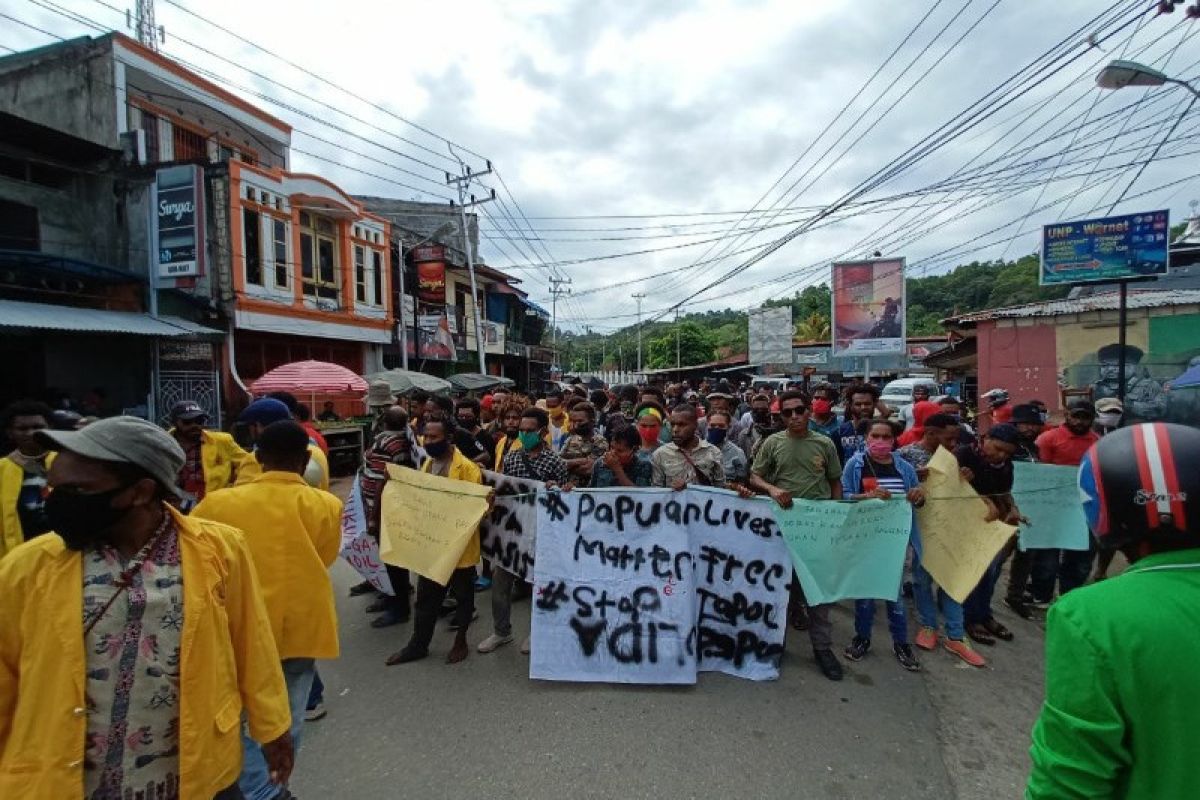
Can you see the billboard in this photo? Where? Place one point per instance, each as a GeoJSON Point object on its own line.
{"type": "Point", "coordinates": [771, 336]}
{"type": "Point", "coordinates": [868, 307]}
{"type": "Point", "coordinates": [1107, 249]}
{"type": "Point", "coordinates": [435, 338]}
{"type": "Point", "coordinates": [179, 215]}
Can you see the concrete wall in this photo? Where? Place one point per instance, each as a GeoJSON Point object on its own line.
{"type": "Point", "coordinates": [68, 87]}
{"type": "Point", "coordinates": [1019, 358]}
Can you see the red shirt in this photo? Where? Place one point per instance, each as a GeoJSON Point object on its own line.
{"type": "Point", "coordinates": [1060, 446]}
{"type": "Point", "coordinates": [316, 437]}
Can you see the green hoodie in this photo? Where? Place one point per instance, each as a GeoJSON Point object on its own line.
{"type": "Point", "coordinates": [1122, 710]}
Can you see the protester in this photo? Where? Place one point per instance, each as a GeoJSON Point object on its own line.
{"type": "Point", "coordinates": [392, 445]}
{"type": "Point", "coordinates": [952, 406]}
{"type": "Point", "coordinates": [650, 416]}
{"type": "Point", "coordinates": [211, 458]}
{"type": "Point", "coordinates": [758, 427]}
{"type": "Point", "coordinates": [733, 461]}
{"type": "Point", "coordinates": [584, 444]}
{"type": "Point", "coordinates": [918, 413]}
{"type": "Point", "coordinates": [623, 464]}
{"type": "Point", "coordinates": [620, 410]}
{"type": "Point", "coordinates": [1121, 710]}
{"type": "Point", "coordinates": [920, 394]}
{"type": "Point", "coordinates": [444, 460]}
{"type": "Point", "coordinates": [256, 417]}
{"type": "Point", "coordinates": [510, 423]}
{"type": "Point", "coordinates": [720, 401]}
{"type": "Point", "coordinates": [487, 416]}
{"type": "Point", "coordinates": [328, 414]}
{"type": "Point", "coordinates": [23, 475]}
{"type": "Point", "coordinates": [880, 473]}
{"type": "Point", "coordinates": [1109, 413]}
{"type": "Point", "coordinates": [823, 420]}
{"type": "Point", "coordinates": [989, 470]}
{"type": "Point", "coordinates": [686, 459]}
{"type": "Point", "coordinates": [537, 461]}
{"type": "Point", "coordinates": [798, 463]}
{"type": "Point", "coordinates": [1028, 422]}
{"type": "Point", "coordinates": [418, 403]}
{"type": "Point", "coordinates": [941, 430]}
{"type": "Point", "coordinates": [560, 422]}
{"type": "Point", "coordinates": [129, 601]}
{"type": "Point", "coordinates": [998, 411]}
{"type": "Point", "coordinates": [302, 414]}
{"type": "Point", "coordinates": [1065, 446]}
{"type": "Point", "coordinates": [470, 437]}
{"type": "Point", "coordinates": [861, 399]}
{"type": "Point", "coordinates": [293, 532]}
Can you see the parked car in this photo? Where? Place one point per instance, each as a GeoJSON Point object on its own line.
{"type": "Point", "coordinates": [899, 393]}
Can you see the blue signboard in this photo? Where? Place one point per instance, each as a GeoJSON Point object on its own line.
{"type": "Point", "coordinates": [1105, 250]}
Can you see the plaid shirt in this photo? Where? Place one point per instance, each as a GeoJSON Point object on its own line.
{"type": "Point", "coordinates": [544, 465]}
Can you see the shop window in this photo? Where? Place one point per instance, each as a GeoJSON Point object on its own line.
{"type": "Point", "coordinates": [318, 257]}
{"type": "Point", "coordinates": [279, 239]}
{"type": "Point", "coordinates": [377, 275]}
{"type": "Point", "coordinates": [360, 274]}
{"type": "Point", "coordinates": [252, 250]}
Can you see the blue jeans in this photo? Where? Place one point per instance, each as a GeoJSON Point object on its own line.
{"type": "Point", "coordinates": [255, 781]}
{"type": "Point", "coordinates": [978, 608]}
{"type": "Point", "coordinates": [927, 608]}
{"type": "Point", "coordinates": [316, 695]}
{"type": "Point", "coordinates": [864, 619]}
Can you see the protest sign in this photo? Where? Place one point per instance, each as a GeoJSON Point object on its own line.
{"type": "Point", "coordinates": [427, 521]}
{"type": "Point", "coordinates": [650, 586]}
{"type": "Point", "coordinates": [847, 549]}
{"type": "Point", "coordinates": [1048, 496]}
{"type": "Point", "coordinates": [359, 549]}
{"type": "Point", "coordinates": [509, 531]}
{"type": "Point", "coordinates": [957, 543]}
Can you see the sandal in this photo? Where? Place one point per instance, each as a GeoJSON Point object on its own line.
{"type": "Point", "coordinates": [980, 634]}
{"type": "Point", "coordinates": [994, 627]}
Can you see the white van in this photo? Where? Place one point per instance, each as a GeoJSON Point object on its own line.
{"type": "Point", "coordinates": [899, 393]}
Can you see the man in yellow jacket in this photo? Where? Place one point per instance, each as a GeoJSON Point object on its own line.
{"type": "Point", "coordinates": [211, 458]}
{"type": "Point", "coordinates": [256, 417]}
{"type": "Point", "coordinates": [294, 533]}
{"type": "Point", "coordinates": [132, 638]}
{"type": "Point", "coordinates": [444, 459]}
{"type": "Point", "coordinates": [23, 475]}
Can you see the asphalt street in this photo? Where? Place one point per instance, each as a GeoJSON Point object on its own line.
{"type": "Point", "coordinates": [483, 728]}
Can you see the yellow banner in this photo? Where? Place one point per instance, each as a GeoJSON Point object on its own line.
{"type": "Point", "coordinates": [426, 521]}
{"type": "Point", "coordinates": [957, 544]}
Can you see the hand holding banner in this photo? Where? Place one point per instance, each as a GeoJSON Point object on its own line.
{"type": "Point", "coordinates": [957, 543]}
{"type": "Point", "coordinates": [427, 521]}
{"type": "Point", "coordinates": [847, 549]}
{"type": "Point", "coordinates": [359, 548]}
{"type": "Point", "coordinates": [1048, 496]}
{"type": "Point", "coordinates": [508, 534]}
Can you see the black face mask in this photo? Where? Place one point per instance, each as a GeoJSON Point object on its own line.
{"type": "Point", "coordinates": [83, 519]}
{"type": "Point", "coordinates": [586, 430]}
{"type": "Point", "coordinates": [437, 449]}
{"type": "Point", "coordinates": [760, 415]}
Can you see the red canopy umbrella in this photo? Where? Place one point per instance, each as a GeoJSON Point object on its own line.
{"type": "Point", "coordinates": [309, 377]}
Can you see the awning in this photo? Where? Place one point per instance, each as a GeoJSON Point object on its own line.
{"type": "Point", "coordinates": [43, 316]}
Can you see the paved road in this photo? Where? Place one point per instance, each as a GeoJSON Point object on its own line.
{"type": "Point", "coordinates": [484, 729]}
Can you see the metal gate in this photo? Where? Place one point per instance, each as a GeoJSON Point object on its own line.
{"type": "Point", "coordinates": [182, 376]}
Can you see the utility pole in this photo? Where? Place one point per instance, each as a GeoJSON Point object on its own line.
{"type": "Point", "coordinates": [463, 184]}
{"type": "Point", "coordinates": [677, 360]}
{"type": "Point", "coordinates": [639, 297]}
{"type": "Point", "coordinates": [556, 289]}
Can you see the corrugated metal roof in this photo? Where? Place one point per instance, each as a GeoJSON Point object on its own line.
{"type": "Point", "coordinates": [1096, 302]}
{"type": "Point", "coordinates": [43, 316]}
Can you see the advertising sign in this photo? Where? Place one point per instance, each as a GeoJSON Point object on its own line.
{"type": "Point", "coordinates": [868, 307]}
{"type": "Point", "coordinates": [431, 281]}
{"type": "Point", "coordinates": [179, 199]}
{"type": "Point", "coordinates": [771, 335]}
{"type": "Point", "coordinates": [435, 338]}
{"type": "Point", "coordinates": [1106, 249]}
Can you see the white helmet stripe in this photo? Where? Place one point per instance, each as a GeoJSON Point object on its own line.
{"type": "Point", "coordinates": [1162, 496]}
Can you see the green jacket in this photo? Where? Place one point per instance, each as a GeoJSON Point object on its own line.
{"type": "Point", "coordinates": [1122, 706]}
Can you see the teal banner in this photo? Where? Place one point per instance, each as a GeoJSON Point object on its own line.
{"type": "Point", "coordinates": [1048, 496]}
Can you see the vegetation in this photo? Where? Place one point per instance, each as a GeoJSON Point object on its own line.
{"type": "Point", "coordinates": [712, 335]}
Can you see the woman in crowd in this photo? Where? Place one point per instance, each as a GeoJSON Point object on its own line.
{"type": "Point", "coordinates": [649, 416]}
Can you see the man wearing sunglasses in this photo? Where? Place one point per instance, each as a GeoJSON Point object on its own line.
{"type": "Point", "coordinates": [798, 463]}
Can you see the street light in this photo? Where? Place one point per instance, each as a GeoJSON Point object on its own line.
{"type": "Point", "coordinates": [1120, 73]}
{"type": "Point", "coordinates": [441, 231]}
{"type": "Point", "coordinates": [1117, 75]}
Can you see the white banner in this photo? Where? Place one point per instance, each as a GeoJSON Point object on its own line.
{"type": "Point", "coordinates": [651, 586]}
{"type": "Point", "coordinates": [508, 534]}
{"type": "Point", "coordinates": [359, 549]}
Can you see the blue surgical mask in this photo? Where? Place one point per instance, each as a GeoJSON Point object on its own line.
{"type": "Point", "coordinates": [716, 435]}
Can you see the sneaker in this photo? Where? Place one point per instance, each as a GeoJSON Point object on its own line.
{"type": "Point", "coordinates": [453, 626]}
{"type": "Point", "coordinates": [830, 667]}
{"type": "Point", "coordinates": [927, 639]}
{"type": "Point", "coordinates": [482, 584]}
{"type": "Point", "coordinates": [963, 650]}
{"type": "Point", "coordinates": [858, 648]}
{"type": "Point", "coordinates": [494, 641]}
{"type": "Point", "coordinates": [361, 588]}
{"type": "Point", "coordinates": [315, 713]}
{"type": "Point", "coordinates": [1020, 608]}
{"type": "Point", "coordinates": [525, 646]}
{"type": "Point", "coordinates": [904, 654]}
{"type": "Point", "coordinates": [1039, 605]}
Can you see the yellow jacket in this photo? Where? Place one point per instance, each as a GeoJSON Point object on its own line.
{"type": "Point", "coordinates": [462, 469]}
{"type": "Point", "coordinates": [250, 469]}
{"type": "Point", "coordinates": [11, 478]}
{"type": "Point", "coordinates": [294, 533]}
{"type": "Point", "coordinates": [228, 662]}
{"type": "Point", "coordinates": [220, 456]}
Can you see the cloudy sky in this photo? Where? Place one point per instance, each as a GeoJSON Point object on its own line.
{"type": "Point", "coordinates": [621, 127]}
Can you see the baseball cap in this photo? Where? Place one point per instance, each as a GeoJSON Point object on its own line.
{"type": "Point", "coordinates": [264, 411]}
{"type": "Point", "coordinates": [128, 440]}
{"type": "Point", "coordinates": [1108, 405]}
{"type": "Point", "coordinates": [187, 409]}
{"type": "Point", "coordinates": [1004, 432]}
{"type": "Point", "coordinates": [1026, 412]}
{"type": "Point", "coordinates": [1081, 405]}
